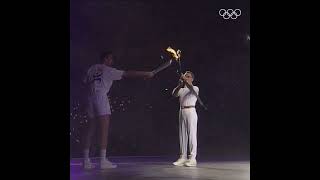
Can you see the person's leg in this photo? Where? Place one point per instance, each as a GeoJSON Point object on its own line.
{"type": "Point", "coordinates": [88, 133]}
{"type": "Point", "coordinates": [182, 139]}
{"type": "Point", "coordinates": [193, 121]}
{"type": "Point", "coordinates": [104, 117]}
{"type": "Point", "coordinates": [183, 136]}
{"type": "Point", "coordinates": [89, 130]}
{"type": "Point", "coordinates": [192, 128]}
{"type": "Point", "coordinates": [104, 122]}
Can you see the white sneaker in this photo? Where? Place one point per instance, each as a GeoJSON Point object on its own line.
{"type": "Point", "coordinates": [87, 164]}
{"type": "Point", "coordinates": [191, 163]}
{"type": "Point", "coordinates": [106, 164]}
{"type": "Point", "coordinates": [180, 162]}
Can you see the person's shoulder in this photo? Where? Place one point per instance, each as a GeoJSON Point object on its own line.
{"type": "Point", "coordinates": [104, 68]}
{"type": "Point", "coordinates": [196, 87]}
{"type": "Point", "coordinates": [94, 66]}
{"type": "Point", "coordinates": [109, 68]}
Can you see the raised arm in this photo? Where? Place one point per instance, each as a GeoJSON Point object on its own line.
{"type": "Point", "coordinates": [176, 89]}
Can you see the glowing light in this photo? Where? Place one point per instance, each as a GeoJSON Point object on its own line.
{"type": "Point", "coordinates": [175, 54]}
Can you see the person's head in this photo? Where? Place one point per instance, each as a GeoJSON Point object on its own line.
{"type": "Point", "coordinates": [189, 76]}
{"type": "Point", "coordinates": [106, 58]}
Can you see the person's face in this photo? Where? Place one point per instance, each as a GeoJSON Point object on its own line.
{"type": "Point", "coordinates": [189, 77]}
{"type": "Point", "coordinates": [108, 60]}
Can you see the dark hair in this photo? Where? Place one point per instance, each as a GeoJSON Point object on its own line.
{"type": "Point", "coordinates": [191, 74]}
{"type": "Point", "coordinates": [104, 54]}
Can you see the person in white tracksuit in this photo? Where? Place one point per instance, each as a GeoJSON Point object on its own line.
{"type": "Point", "coordinates": [188, 119]}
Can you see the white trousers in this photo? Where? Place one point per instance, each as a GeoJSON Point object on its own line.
{"type": "Point", "coordinates": [188, 119]}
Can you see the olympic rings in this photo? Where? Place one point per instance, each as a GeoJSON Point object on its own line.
{"type": "Point", "coordinates": [230, 13]}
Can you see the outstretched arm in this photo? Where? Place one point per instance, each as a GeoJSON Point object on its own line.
{"type": "Point", "coordinates": [138, 74]}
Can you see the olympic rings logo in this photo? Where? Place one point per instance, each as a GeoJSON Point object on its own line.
{"type": "Point", "coordinates": [230, 13]}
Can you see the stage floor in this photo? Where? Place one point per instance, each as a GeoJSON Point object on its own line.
{"type": "Point", "coordinates": [159, 168]}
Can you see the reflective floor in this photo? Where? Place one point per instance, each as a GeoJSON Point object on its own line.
{"type": "Point", "coordinates": [160, 168]}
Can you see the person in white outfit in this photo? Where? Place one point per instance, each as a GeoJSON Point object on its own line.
{"type": "Point", "coordinates": [98, 80]}
{"type": "Point", "coordinates": [187, 120]}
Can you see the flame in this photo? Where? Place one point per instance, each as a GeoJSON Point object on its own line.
{"type": "Point", "coordinates": [176, 54]}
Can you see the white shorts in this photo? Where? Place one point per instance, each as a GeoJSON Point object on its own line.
{"type": "Point", "coordinates": [98, 105]}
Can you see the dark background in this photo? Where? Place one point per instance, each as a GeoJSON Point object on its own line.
{"type": "Point", "coordinates": [145, 116]}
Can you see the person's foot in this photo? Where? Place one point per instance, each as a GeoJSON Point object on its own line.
{"type": "Point", "coordinates": [191, 163]}
{"type": "Point", "coordinates": [87, 164]}
{"type": "Point", "coordinates": [106, 164]}
{"type": "Point", "coordinates": [180, 162]}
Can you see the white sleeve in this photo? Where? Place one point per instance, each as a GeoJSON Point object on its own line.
{"type": "Point", "coordinates": [86, 78]}
{"type": "Point", "coordinates": [196, 89]}
{"type": "Point", "coordinates": [116, 74]}
{"type": "Point", "coordinates": [180, 91]}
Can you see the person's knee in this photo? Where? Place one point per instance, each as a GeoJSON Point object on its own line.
{"type": "Point", "coordinates": [104, 117]}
